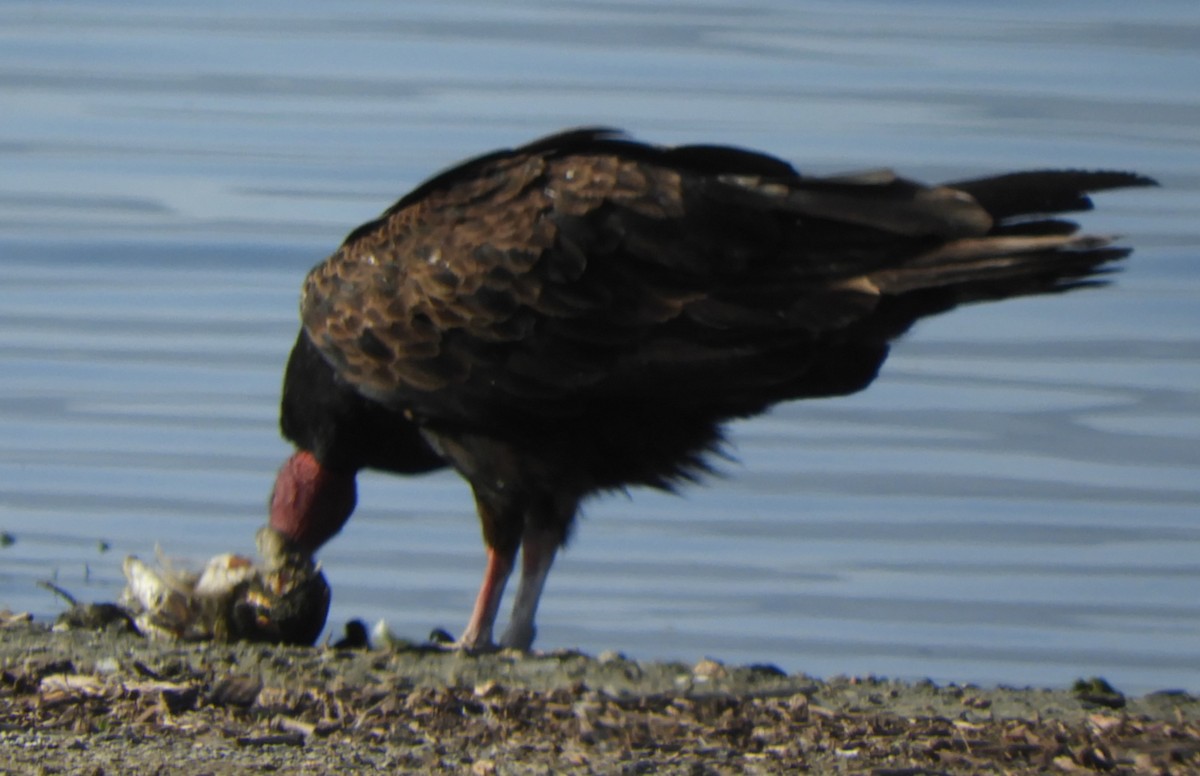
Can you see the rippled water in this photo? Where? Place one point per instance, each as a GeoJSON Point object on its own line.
{"type": "Point", "coordinates": [1016, 499]}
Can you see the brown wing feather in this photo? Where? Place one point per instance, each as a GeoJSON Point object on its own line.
{"type": "Point", "coordinates": [388, 308]}
{"type": "Point", "coordinates": [448, 290]}
{"type": "Point", "coordinates": [590, 268]}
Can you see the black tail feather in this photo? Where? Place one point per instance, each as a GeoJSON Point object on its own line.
{"type": "Point", "coordinates": [1044, 192]}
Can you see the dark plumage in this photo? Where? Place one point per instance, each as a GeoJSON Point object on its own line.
{"type": "Point", "coordinates": [583, 314]}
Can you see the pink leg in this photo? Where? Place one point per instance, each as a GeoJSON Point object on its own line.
{"type": "Point", "coordinates": [478, 633]}
{"type": "Point", "coordinates": [538, 549]}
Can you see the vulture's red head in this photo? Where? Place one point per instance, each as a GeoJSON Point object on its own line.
{"type": "Point", "coordinates": [311, 503]}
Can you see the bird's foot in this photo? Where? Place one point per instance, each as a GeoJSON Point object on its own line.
{"type": "Point", "coordinates": [440, 638]}
{"type": "Point", "coordinates": [519, 637]}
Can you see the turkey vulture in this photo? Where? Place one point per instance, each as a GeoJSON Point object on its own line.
{"type": "Point", "coordinates": [583, 313]}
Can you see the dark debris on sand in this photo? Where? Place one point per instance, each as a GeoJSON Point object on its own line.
{"type": "Point", "coordinates": [108, 703]}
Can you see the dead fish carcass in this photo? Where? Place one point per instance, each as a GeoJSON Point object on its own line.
{"type": "Point", "coordinates": [281, 598]}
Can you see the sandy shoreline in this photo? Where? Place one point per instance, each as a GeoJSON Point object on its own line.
{"type": "Point", "coordinates": [106, 703]}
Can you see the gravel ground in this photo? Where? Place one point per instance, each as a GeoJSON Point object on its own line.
{"type": "Point", "coordinates": [108, 702]}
